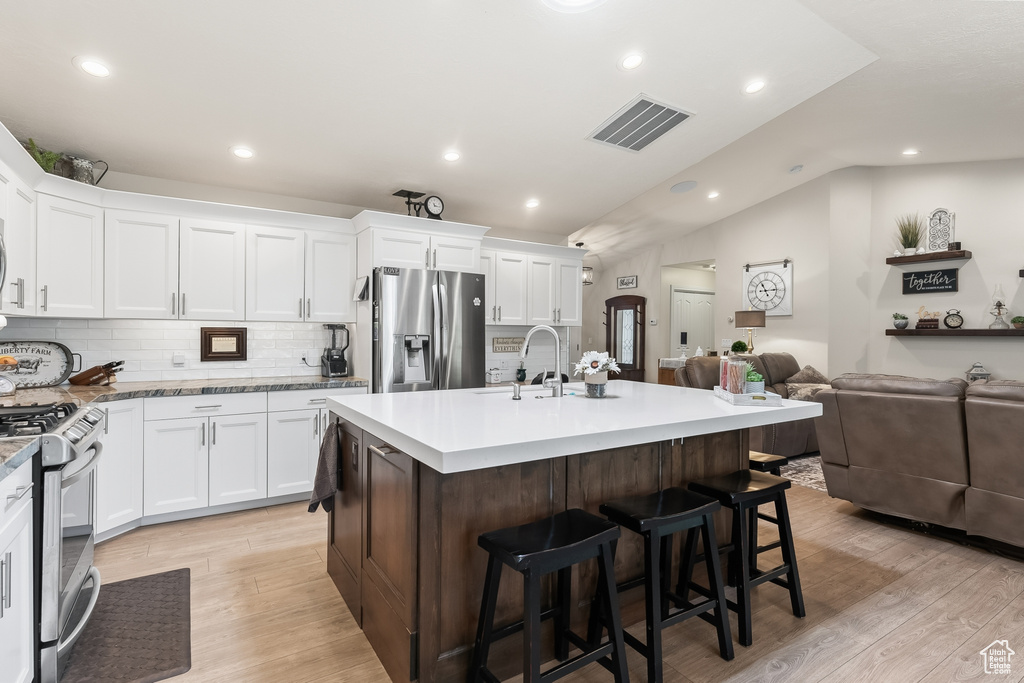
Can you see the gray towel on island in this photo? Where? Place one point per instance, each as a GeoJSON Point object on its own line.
{"type": "Point", "coordinates": [325, 483]}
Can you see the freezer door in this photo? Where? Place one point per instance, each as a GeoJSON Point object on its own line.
{"type": "Point", "coordinates": [461, 303]}
{"type": "Point", "coordinates": [403, 330]}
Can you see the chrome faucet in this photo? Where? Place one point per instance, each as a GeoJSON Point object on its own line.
{"type": "Point", "coordinates": [556, 387]}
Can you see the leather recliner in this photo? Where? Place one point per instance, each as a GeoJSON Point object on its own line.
{"type": "Point", "coordinates": [786, 438]}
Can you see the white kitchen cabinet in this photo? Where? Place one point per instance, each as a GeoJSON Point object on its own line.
{"type": "Point", "coordinates": [119, 472]}
{"type": "Point", "coordinates": [211, 270]}
{"type": "Point", "coordinates": [543, 290]}
{"type": "Point", "coordinates": [19, 231]}
{"type": "Point", "coordinates": [17, 566]}
{"type": "Point", "coordinates": [297, 421]}
{"type": "Point", "coordinates": [293, 442]}
{"type": "Point", "coordinates": [203, 450]}
{"type": "Point", "coordinates": [238, 458]}
{"type": "Point", "coordinates": [408, 249]}
{"type": "Point", "coordinates": [570, 292]}
{"type": "Point", "coordinates": [177, 465]}
{"type": "Point", "coordinates": [274, 277]}
{"type": "Point", "coordinates": [69, 258]}
{"type": "Point", "coordinates": [140, 265]}
{"type": "Point", "coordinates": [330, 276]}
{"type": "Point", "coordinates": [487, 268]}
{"type": "Point", "coordinates": [511, 288]}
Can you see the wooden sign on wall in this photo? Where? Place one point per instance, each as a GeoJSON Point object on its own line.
{"type": "Point", "coordinates": [507, 344]}
{"type": "Point", "coordinates": [930, 281]}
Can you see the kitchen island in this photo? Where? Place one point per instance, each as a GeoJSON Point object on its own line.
{"type": "Point", "coordinates": [423, 474]}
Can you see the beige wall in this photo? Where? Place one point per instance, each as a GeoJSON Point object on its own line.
{"type": "Point", "coordinates": [838, 230]}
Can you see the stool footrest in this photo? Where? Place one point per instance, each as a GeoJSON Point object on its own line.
{"type": "Point", "coordinates": [517, 626]}
{"type": "Point", "coordinates": [770, 575]}
{"type": "Point", "coordinates": [578, 662]}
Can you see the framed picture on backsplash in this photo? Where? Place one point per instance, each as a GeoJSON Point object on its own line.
{"type": "Point", "coordinates": [222, 343]}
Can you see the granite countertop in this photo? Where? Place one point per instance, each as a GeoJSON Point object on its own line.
{"type": "Point", "coordinates": [81, 395]}
{"type": "Point", "coordinates": [15, 452]}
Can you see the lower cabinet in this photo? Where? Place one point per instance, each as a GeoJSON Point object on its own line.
{"type": "Point", "coordinates": [238, 458]}
{"type": "Point", "coordinates": [177, 466]}
{"type": "Point", "coordinates": [119, 476]}
{"type": "Point", "coordinates": [345, 527]}
{"type": "Point", "coordinates": [17, 608]}
{"type": "Point", "coordinates": [293, 442]}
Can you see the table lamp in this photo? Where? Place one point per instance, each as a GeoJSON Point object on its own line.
{"type": "Point", "coordinates": [749, 320]}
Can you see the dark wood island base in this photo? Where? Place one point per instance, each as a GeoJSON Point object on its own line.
{"type": "Point", "coordinates": [403, 539]}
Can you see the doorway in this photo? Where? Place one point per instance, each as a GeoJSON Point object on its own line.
{"type": "Point", "coordinates": [692, 321]}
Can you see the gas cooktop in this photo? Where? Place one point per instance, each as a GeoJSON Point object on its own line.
{"type": "Point", "coordinates": [32, 420]}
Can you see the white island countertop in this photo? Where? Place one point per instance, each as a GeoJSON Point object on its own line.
{"type": "Point", "coordinates": [472, 429]}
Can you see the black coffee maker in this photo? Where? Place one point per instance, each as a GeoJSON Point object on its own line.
{"type": "Point", "coordinates": [333, 363]}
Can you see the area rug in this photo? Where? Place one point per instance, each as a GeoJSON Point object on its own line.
{"type": "Point", "coordinates": [806, 471]}
{"type": "Point", "coordinates": [139, 632]}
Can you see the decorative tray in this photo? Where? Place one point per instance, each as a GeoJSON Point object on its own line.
{"type": "Point", "coordinates": [764, 399]}
{"type": "Point", "coordinates": [39, 363]}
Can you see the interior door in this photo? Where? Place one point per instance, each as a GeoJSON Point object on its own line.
{"type": "Point", "coordinates": [693, 321]}
{"type": "Point", "coordinates": [625, 335]}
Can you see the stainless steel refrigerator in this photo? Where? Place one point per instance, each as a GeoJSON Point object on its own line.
{"type": "Point", "coordinates": [428, 330]}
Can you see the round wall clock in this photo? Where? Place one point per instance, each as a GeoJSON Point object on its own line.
{"type": "Point", "coordinates": [434, 206]}
{"type": "Point", "coordinates": [769, 288]}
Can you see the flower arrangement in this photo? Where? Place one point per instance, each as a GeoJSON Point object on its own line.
{"type": "Point", "coordinates": [594, 362]}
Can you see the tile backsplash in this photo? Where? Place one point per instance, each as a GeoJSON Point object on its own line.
{"type": "Point", "coordinates": [541, 354]}
{"type": "Point", "coordinates": [148, 346]}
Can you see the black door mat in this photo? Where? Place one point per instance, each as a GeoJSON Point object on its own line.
{"type": "Point", "coordinates": [139, 632]}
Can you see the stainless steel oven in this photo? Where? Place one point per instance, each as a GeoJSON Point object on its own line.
{"type": "Point", "coordinates": [69, 583]}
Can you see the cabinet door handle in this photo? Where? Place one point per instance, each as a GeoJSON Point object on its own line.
{"type": "Point", "coordinates": [559, 315]}
{"type": "Point", "coordinates": [316, 426]}
{"type": "Point", "coordinates": [499, 314]}
{"type": "Point", "coordinates": [106, 420]}
{"type": "Point", "coordinates": [435, 259]}
{"type": "Point", "coordinates": [202, 434]}
{"type": "Point", "coordinates": [7, 580]}
{"type": "Point", "coordinates": [21, 292]}
{"type": "Point", "coordinates": [183, 304]}
{"type": "Point", "coordinates": [318, 400]}
{"type": "Point", "coordinates": [174, 303]}
{"type": "Point", "coordinates": [3, 582]}
{"type": "Point", "coordinates": [554, 315]}
{"type": "Point", "coordinates": [209, 407]}
{"type": "Point", "coordinates": [213, 433]}
{"type": "Point", "coordinates": [307, 308]}
{"type": "Point", "coordinates": [355, 456]}
{"type": "Point", "coordinates": [18, 494]}
{"type": "Point", "coordinates": [325, 423]}
{"type": "Point", "coordinates": [426, 259]}
{"type": "Point", "coordinates": [46, 298]}
{"type": "Point", "coordinates": [300, 308]}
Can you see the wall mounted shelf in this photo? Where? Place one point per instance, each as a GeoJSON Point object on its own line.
{"type": "Point", "coordinates": [931, 256]}
{"type": "Point", "coordinates": [1012, 332]}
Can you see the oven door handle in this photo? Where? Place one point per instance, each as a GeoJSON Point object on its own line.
{"type": "Point", "coordinates": [65, 643]}
{"type": "Point", "coordinates": [97, 450]}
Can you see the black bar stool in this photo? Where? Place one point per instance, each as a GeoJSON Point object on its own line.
{"type": "Point", "coordinates": [743, 491]}
{"type": "Point", "coordinates": [772, 464]}
{"type": "Point", "coordinates": [553, 544]}
{"type": "Point", "coordinates": [657, 517]}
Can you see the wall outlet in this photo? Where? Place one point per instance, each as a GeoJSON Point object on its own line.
{"type": "Point", "coordinates": [178, 359]}
{"type": "Point", "coordinates": [503, 365]}
{"type": "Point", "coordinates": [654, 321]}
{"type": "Point", "coordinates": [727, 343]}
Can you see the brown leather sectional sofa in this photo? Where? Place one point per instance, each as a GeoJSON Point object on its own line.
{"type": "Point", "coordinates": [935, 451]}
{"type": "Point", "coordinates": [786, 438]}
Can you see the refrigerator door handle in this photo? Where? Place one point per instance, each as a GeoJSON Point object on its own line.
{"type": "Point", "coordinates": [438, 381]}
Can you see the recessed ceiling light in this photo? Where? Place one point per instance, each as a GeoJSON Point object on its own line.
{"type": "Point", "coordinates": [911, 152]}
{"type": "Point", "coordinates": [754, 86]}
{"type": "Point", "coordinates": [632, 61]}
{"type": "Point", "coordinates": [452, 156]}
{"type": "Point", "coordinates": [713, 194]}
{"type": "Point", "coordinates": [243, 152]}
{"type": "Point", "coordinates": [684, 186]}
{"type": "Point", "coordinates": [532, 203]}
{"type": "Point", "coordinates": [796, 169]}
{"type": "Point", "coordinates": [572, 6]}
{"type": "Point", "coordinates": [91, 66]}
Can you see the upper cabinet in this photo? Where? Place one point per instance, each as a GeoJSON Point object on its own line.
{"type": "Point", "coordinates": [297, 275]}
{"type": "Point", "coordinates": [69, 263]}
{"type": "Point", "coordinates": [18, 226]}
{"type": "Point", "coordinates": [533, 284]}
{"type": "Point", "coordinates": [141, 265]}
{"type": "Point", "coordinates": [211, 270]}
{"type": "Point", "coordinates": [398, 241]}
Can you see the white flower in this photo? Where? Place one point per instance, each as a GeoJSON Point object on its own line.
{"type": "Point", "coordinates": [594, 362]}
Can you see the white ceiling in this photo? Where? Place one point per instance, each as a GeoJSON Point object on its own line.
{"type": "Point", "coordinates": [347, 102]}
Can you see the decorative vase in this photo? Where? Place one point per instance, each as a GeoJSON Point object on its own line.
{"type": "Point", "coordinates": [909, 251]}
{"type": "Point", "coordinates": [1018, 326]}
{"type": "Point", "coordinates": [754, 387]}
{"type": "Point", "coordinates": [900, 324]}
{"type": "Point", "coordinates": [596, 384]}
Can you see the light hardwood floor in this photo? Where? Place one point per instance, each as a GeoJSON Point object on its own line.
{"type": "Point", "coordinates": [884, 604]}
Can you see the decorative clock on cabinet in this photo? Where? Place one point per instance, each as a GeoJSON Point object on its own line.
{"type": "Point", "coordinates": [769, 287]}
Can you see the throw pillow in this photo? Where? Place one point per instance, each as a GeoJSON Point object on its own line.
{"type": "Point", "coordinates": [804, 392]}
{"type": "Point", "coordinates": [808, 376]}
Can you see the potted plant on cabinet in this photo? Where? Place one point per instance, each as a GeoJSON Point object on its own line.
{"type": "Point", "coordinates": [754, 383]}
{"type": "Point", "coordinates": [1018, 321]}
{"type": "Point", "coordinates": [909, 231]}
{"type": "Point", "coordinates": [900, 321]}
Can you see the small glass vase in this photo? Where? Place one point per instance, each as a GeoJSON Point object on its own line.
{"type": "Point", "coordinates": [596, 384]}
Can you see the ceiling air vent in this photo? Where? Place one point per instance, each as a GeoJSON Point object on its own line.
{"type": "Point", "coordinates": [639, 123]}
